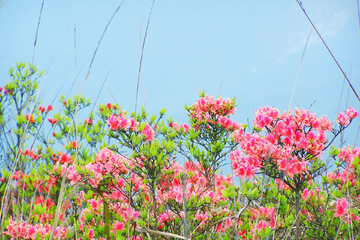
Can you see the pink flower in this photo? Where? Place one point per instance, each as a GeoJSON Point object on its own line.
{"type": "Point", "coordinates": [6, 91]}
{"type": "Point", "coordinates": [50, 107]}
{"type": "Point", "coordinates": [94, 205]}
{"type": "Point", "coordinates": [305, 194]}
{"type": "Point", "coordinates": [206, 108]}
{"type": "Point", "coordinates": [341, 208]}
{"type": "Point", "coordinates": [53, 121]}
{"type": "Point", "coordinates": [42, 109]}
{"type": "Point", "coordinates": [65, 159]}
{"type": "Point", "coordinates": [104, 155]}
{"type": "Point", "coordinates": [174, 125]}
{"type": "Point", "coordinates": [91, 233]}
{"type": "Point", "coordinates": [113, 122]}
{"type": "Point", "coordinates": [88, 121]}
{"type": "Point", "coordinates": [74, 144]}
{"type": "Point", "coordinates": [351, 113]}
{"type": "Point", "coordinates": [133, 125]}
{"type": "Point", "coordinates": [30, 118]}
{"type": "Point", "coordinates": [73, 175]}
{"type": "Point", "coordinates": [343, 119]}
{"type": "Point", "coordinates": [148, 133]}
{"type": "Point", "coordinates": [185, 127]}
{"type": "Point", "coordinates": [118, 226]}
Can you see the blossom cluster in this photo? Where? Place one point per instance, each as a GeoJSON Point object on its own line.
{"type": "Point", "coordinates": [284, 134]}
{"type": "Point", "coordinates": [25, 230]}
{"type": "Point", "coordinates": [207, 108]}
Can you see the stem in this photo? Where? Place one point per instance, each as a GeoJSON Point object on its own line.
{"type": "Point", "coordinates": [183, 182]}
{"type": "Point", "coordinates": [154, 201]}
{"type": "Point", "coordinates": [106, 218]}
{"type": "Point", "coordinates": [297, 207]}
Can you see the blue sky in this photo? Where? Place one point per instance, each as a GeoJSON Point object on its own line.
{"type": "Point", "coordinates": [250, 50]}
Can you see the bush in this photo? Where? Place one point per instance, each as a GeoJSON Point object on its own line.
{"type": "Point", "coordinates": [114, 175]}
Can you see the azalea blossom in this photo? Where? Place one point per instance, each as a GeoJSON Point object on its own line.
{"type": "Point", "coordinates": [148, 133]}
{"type": "Point", "coordinates": [29, 118]}
{"type": "Point", "coordinates": [341, 207]}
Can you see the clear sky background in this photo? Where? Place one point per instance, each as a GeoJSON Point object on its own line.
{"type": "Point", "coordinates": [250, 50]}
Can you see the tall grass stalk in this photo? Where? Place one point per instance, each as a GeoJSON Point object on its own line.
{"type": "Point", "coordinates": [337, 63]}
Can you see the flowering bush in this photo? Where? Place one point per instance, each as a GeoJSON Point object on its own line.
{"type": "Point", "coordinates": [115, 175]}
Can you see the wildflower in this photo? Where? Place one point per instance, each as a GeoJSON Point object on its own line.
{"type": "Point", "coordinates": [53, 121]}
{"type": "Point", "coordinates": [30, 118]}
{"type": "Point", "coordinates": [341, 207]}
{"type": "Point", "coordinates": [148, 132]}
{"type": "Point", "coordinates": [50, 107]}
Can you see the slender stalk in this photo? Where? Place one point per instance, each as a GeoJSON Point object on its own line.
{"type": "Point", "coordinates": [183, 181]}
{"type": "Point", "coordinates": [106, 218]}
{"type": "Point", "coordinates": [142, 54]}
{"type": "Point", "coordinates": [297, 210]}
{"type": "Point", "coordinates": [347, 79]}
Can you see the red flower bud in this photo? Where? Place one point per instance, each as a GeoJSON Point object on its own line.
{"type": "Point", "coordinates": [50, 107]}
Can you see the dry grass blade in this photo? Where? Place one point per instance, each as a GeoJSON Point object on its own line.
{"type": "Point", "coordinates": [358, 10]}
{"type": "Point", "coordinates": [97, 97]}
{"type": "Point", "coordinates": [142, 54]}
{"type": "Point", "coordinates": [62, 189]}
{"type": "Point", "coordinates": [297, 76]}
{"type": "Point", "coordinates": [165, 234]}
{"type": "Point", "coordinates": [98, 45]}
{"type": "Point", "coordinates": [3, 3]}
{"type": "Point", "coordinates": [37, 31]}
{"type": "Point", "coordinates": [347, 79]}
{"type": "Point", "coordinates": [27, 124]}
{"type": "Point", "coordinates": [357, 133]}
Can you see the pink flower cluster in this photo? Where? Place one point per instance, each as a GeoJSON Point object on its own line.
{"type": "Point", "coordinates": [284, 134]}
{"type": "Point", "coordinates": [107, 163]}
{"type": "Point", "coordinates": [183, 127]}
{"type": "Point", "coordinates": [312, 195]}
{"type": "Point", "coordinates": [345, 117]}
{"type": "Point", "coordinates": [341, 208]}
{"type": "Point", "coordinates": [228, 123]}
{"type": "Point", "coordinates": [49, 108]}
{"type": "Point", "coordinates": [292, 166]}
{"type": "Point", "coordinates": [244, 166]}
{"type": "Point", "coordinates": [120, 122]}
{"type": "Point", "coordinates": [25, 230]}
{"type": "Point", "coordinates": [196, 185]}
{"type": "Point", "coordinates": [265, 117]}
{"type": "Point", "coordinates": [348, 154]}
{"type": "Point", "coordinates": [148, 132]}
{"type": "Point", "coordinates": [31, 154]}
{"type": "Point", "coordinates": [207, 107]}
{"type": "Point", "coordinates": [265, 218]}
{"type": "Point", "coordinates": [342, 178]}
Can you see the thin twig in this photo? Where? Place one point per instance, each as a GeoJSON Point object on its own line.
{"type": "Point", "coordinates": [166, 234]}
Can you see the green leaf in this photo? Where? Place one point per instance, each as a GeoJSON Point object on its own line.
{"type": "Point", "coordinates": [334, 151]}
{"type": "Point", "coordinates": [70, 234]}
{"type": "Point", "coordinates": [356, 161]}
{"type": "Point", "coordinates": [39, 209]}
